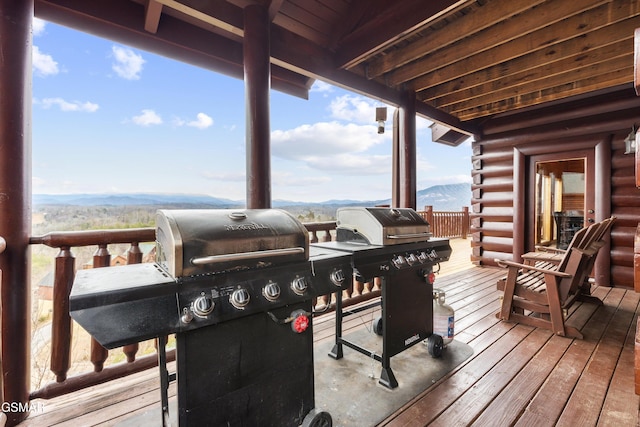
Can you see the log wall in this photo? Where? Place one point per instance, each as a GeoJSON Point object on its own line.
{"type": "Point", "coordinates": [500, 157]}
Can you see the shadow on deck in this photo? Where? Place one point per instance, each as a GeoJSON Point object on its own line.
{"type": "Point", "coordinates": [517, 375]}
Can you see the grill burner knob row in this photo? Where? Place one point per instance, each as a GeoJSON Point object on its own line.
{"type": "Point", "coordinates": [299, 285]}
{"type": "Point", "coordinates": [399, 261]}
{"type": "Point", "coordinates": [239, 298]}
{"type": "Point", "coordinates": [271, 291]}
{"type": "Point", "coordinates": [202, 306]}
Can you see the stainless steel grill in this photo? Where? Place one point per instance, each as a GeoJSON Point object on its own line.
{"type": "Point", "coordinates": [236, 286]}
{"type": "Point", "coordinates": [381, 226]}
{"type": "Point", "coordinates": [395, 245]}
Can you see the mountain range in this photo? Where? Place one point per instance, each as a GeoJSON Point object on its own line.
{"type": "Point", "coordinates": [441, 197]}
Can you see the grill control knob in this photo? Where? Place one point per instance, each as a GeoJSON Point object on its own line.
{"type": "Point", "coordinates": [399, 261]}
{"type": "Point", "coordinates": [271, 291]}
{"type": "Point", "coordinates": [412, 259]}
{"type": "Point", "coordinates": [240, 298]}
{"type": "Point", "coordinates": [202, 306]}
{"type": "Point", "coordinates": [422, 257]}
{"type": "Point", "coordinates": [299, 285]}
{"type": "Point", "coordinates": [337, 277]}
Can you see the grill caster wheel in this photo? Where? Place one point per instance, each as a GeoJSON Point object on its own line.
{"type": "Point", "coordinates": [435, 344]}
{"type": "Point", "coordinates": [377, 326]}
{"type": "Point", "coordinates": [317, 418]}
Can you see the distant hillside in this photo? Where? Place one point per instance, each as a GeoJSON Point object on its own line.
{"type": "Point", "coordinates": [441, 197]}
{"type": "Point", "coordinates": [132, 199]}
{"type": "Point", "coordinates": [449, 197]}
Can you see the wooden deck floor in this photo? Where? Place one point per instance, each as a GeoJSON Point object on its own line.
{"type": "Point", "coordinates": [518, 375]}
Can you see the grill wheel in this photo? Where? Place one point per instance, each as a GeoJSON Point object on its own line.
{"type": "Point", "coordinates": [317, 418]}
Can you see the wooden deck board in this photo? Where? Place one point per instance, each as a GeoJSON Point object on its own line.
{"type": "Point", "coordinates": [518, 375]}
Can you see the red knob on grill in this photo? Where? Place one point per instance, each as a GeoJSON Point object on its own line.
{"type": "Point", "coordinates": [300, 323]}
{"type": "Point", "coordinates": [431, 278]}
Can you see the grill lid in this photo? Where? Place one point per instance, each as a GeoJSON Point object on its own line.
{"type": "Point", "coordinates": [206, 241]}
{"type": "Point", "coordinates": [381, 226]}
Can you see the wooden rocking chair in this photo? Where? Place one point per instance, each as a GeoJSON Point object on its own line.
{"type": "Point", "coordinates": [546, 291]}
{"type": "Point", "coordinates": [547, 256]}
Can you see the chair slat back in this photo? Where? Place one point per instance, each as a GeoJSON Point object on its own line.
{"type": "Point", "coordinates": [580, 258]}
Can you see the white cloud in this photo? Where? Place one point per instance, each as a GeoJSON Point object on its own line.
{"type": "Point", "coordinates": [352, 164]}
{"type": "Point", "coordinates": [288, 179]}
{"type": "Point", "coordinates": [128, 64]}
{"type": "Point", "coordinates": [38, 26]}
{"type": "Point", "coordinates": [225, 176]}
{"type": "Point", "coordinates": [43, 64]}
{"type": "Point", "coordinates": [321, 87]}
{"type": "Point", "coordinates": [332, 147]}
{"type": "Point", "coordinates": [353, 108]}
{"type": "Point", "coordinates": [202, 121]}
{"type": "Point", "coordinates": [323, 139]}
{"type": "Point", "coordinates": [147, 118]}
{"type": "Point", "coordinates": [87, 107]}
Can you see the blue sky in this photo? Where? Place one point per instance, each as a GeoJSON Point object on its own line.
{"type": "Point", "coordinates": [108, 118]}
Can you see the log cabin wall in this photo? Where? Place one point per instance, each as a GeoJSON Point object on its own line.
{"type": "Point", "coordinates": [500, 167]}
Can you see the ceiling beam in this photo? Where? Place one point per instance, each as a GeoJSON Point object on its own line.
{"type": "Point", "coordinates": [274, 8]}
{"type": "Point", "coordinates": [537, 20]}
{"type": "Point", "coordinates": [123, 22]}
{"type": "Point", "coordinates": [481, 18]}
{"type": "Point", "coordinates": [152, 13]}
{"type": "Point", "coordinates": [526, 70]}
{"type": "Point", "coordinates": [566, 80]}
{"type": "Point", "coordinates": [390, 25]}
{"type": "Point", "coordinates": [574, 37]}
{"type": "Point", "coordinates": [612, 79]}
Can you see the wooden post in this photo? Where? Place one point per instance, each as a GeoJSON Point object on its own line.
{"type": "Point", "coordinates": [15, 200]}
{"type": "Point", "coordinates": [257, 76]}
{"type": "Point", "coordinates": [602, 181]}
{"type": "Point", "coordinates": [395, 158]}
{"type": "Point", "coordinates": [465, 222]}
{"type": "Point", "coordinates": [429, 217]}
{"type": "Point", "coordinates": [636, 61]}
{"type": "Point", "coordinates": [61, 325]}
{"type": "Point", "coordinates": [408, 155]}
{"type": "Point", "coordinates": [3, 417]}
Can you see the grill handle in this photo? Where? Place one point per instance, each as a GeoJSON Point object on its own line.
{"type": "Point", "coordinates": [240, 256]}
{"type": "Point", "coordinates": [408, 236]}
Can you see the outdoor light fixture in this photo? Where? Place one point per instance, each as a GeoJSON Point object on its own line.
{"type": "Point", "coordinates": [381, 117]}
{"type": "Point", "coordinates": [630, 141]}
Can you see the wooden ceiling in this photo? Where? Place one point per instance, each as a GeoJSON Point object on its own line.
{"type": "Point", "coordinates": [466, 60]}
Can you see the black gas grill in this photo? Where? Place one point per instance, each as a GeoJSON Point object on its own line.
{"type": "Point", "coordinates": [236, 287]}
{"type": "Point", "coordinates": [395, 245]}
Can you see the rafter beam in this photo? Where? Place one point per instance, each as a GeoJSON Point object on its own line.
{"type": "Point", "coordinates": [532, 30]}
{"type": "Point", "coordinates": [123, 21]}
{"type": "Point", "coordinates": [152, 14]}
{"type": "Point", "coordinates": [390, 25]}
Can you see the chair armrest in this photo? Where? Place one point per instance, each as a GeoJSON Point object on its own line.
{"type": "Point", "coordinates": [550, 249]}
{"type": "Point", "coordinates": [507, 264]}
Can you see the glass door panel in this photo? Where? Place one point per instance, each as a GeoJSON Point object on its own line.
{"type": "Point", "coordinates": [559, 201]}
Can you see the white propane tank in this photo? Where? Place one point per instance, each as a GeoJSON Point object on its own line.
{"type": "Point", "coordinates": [443, 317]}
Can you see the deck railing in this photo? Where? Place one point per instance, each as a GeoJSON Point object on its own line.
{"type": "Point", "coordinates": [447, 223]}
{"type": "Point", "coordinates": [64, 272]}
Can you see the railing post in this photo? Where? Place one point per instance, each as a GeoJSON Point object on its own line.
{"type": "Point", "coordinates": [134, 256]}
{"type": "Point", "coordinates": [61, 330]}
{"type": "Point", "coordinates": [428, 213]}
{"type": "Point", "coordinates": [466, 225]}
{"type": "Point", "coordinates": [99, 354]}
